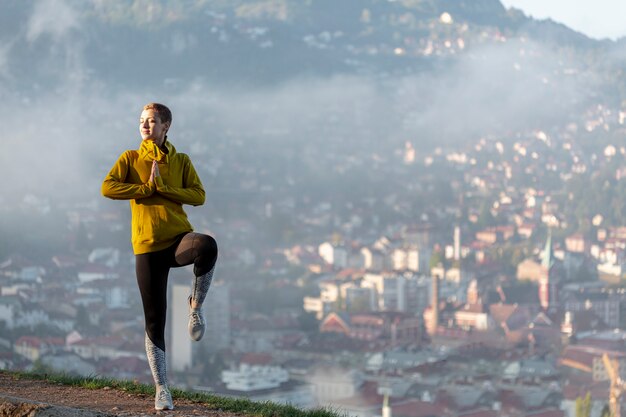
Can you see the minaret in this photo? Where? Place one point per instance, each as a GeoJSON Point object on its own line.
{"type": "Point", "coordinates": [386, 408]}
{"type": "Point", "coordinates": [472, 293]}
{"type": "Point", "coordinates": [434, 302]}
{"type": "Point", "coordinates": [180, 351]}
{"type": "Point", "coordinates": [547, 283]}
{"type": "Point", "coordinates": [457, 243]}
{"type": "Point", "coordinates": [385, 391]}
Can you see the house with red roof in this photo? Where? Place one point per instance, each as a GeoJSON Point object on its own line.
{"type": "Point", "coordinates": [389, 326]}
{"type": "Point", "coordinates": [33, 347]}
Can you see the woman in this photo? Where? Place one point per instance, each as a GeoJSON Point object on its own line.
{"type": "Point", "coordinates": [158, 181]}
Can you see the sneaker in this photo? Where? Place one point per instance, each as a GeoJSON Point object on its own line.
{"type": "Point", "coordinates": [196, 322]}
{"type": "Point", "coordinates": [163, 399]}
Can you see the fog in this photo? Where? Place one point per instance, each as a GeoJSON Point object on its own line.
{"type": "Point", "coordinates": [65, 119]}
{"type": "Point", "coordinates": [61, 132]}
{"type": "Point", "coordinates": [68, 110]}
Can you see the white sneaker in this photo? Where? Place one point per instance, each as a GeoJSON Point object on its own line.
{"type": "Point", "coordinates": [163, 399]}
{"type": "Point", "coordinates": [196, 322]}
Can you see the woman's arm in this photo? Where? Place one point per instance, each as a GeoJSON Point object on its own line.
{"type": "Point", "coordinates": [191, 192]}
{"type": "Point", "coordinates": [115, 188]}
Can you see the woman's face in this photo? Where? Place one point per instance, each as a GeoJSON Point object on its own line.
{"type": "Point", "coordinates": [151, 127]}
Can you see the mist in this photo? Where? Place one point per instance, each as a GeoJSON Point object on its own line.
{"type": "Point", "coordinates": [304, 134]}
{"type": "Point", "coordinates": [63, 132]}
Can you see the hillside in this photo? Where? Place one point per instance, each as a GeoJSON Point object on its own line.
{"type": "Point", "coordinates": [256, 42]}
{"type": "Point", "coordinates": [110, 402]}
{"type": "Point", "coordinates": [21, 394]}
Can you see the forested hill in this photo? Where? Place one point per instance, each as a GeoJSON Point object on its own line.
{"type": "Point", "coordinates": [139, 43]}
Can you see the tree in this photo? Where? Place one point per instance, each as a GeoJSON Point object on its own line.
{"type": "Point", "coordinates": [359, 305]}
{"type": "Point", "coordinates": [436, 259]}
{"type": "Point", "coordinates": [83, 323]}
{"type": "Point", "coordinates": [583, 406]}
{"type": "Point", "coordinates": [40, 368]}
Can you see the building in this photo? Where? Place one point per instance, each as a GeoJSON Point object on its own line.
{"type": "Point", "coordinates": [217, 316]}
{"type": "Point", "coordinates": [317, 306]}
{"type": "Point", "coordinates": [577, 243]}
{"type": "Point", "coordinates": [389, 291]}
{"type": "Point", "coordinates": [33, 347]}
{"type": "Point", "coordinates": [29, 347]}
{"type": "Point", "coordinates": [606, 306]}
{"type": "Point", "coordinates": [394, 328]}
{"type": "Point", "coordinates": [334, 254]}
{"type": "Point", "coordinates": [588, 360]}
{"type": "Point", "coordinates": [431, 315]}
{"type": "Point", "coordinates": [373, 259]}
{"type": "Point", "coordinates": [10, 306]}
{"type": "Point", "coordinates": [249, 377]}
{"type": "Point", "coordinates": [68, 363]}
{"type": "Point", "coordinates": [548, 295]}
{"type": "Point", "coordinates": [180, 352]}
{"type": "Point", "coordinates": [473, 316]}
{"type": "Point", "coordinates": [417, 292]}
{"type": "Point", "coordinates": [258, 380]}
{"type": "Point", "coordinates": [217, 333]}
{"type": "Point", "coordinates": [397, 360]}
{"type": "Point", "coordinates": [420, 235]}
{"type": "Point", "coordinates": [330, 384]}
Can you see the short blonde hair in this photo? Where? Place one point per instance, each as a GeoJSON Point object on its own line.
{"type": "Point", "coordinates": [161, 109]}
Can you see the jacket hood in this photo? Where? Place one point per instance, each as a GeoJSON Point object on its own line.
{"type": "Point", "coordinates": [150, 151]}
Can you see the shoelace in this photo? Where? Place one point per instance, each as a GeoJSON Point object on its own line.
{"type": "Point", "coordinates": [164, 396]}
{"type": "Point", "coordinates": [196, 320]}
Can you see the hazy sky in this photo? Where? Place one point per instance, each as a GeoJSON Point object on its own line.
{"type": "Point", "coordinates": [595, 18]}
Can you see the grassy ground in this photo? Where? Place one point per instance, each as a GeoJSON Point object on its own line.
{"type": "Point", "coordinates": [242, 406]}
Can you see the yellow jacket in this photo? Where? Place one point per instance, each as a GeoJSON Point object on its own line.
{"type": "Point", "coordinates": [157, 211]}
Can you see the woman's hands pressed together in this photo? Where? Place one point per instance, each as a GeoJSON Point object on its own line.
{"type": "Point", "coordinates": [155, 171]}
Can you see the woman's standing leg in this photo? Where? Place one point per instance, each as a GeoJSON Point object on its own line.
{"type": "Point", "coordinates": [201, 250]}
{"type": "Point", "coordinates": [152, 272]}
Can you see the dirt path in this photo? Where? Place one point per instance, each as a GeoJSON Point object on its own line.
{"type": "Point", "coordinates": [110, 402]}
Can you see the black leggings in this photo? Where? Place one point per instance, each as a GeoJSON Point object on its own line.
{"type": "Point", "coordinates": [153, 269]}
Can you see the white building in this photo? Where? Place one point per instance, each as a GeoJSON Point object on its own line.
{"type": "Point", "coordinates": [112, 292]}
{"type": "Point", "coordinates": [418, 259]}
{"type": "Point", "coordinates": [9, 309]}
{"type": "Point", "coordinates": [217, 316]}
{"type": "Point", "coordinates": [254, 377]}
{"type": "Point", "coordinates": [373, 259]}
{"type": "Point", "coordinates": [399, 258]}
{"type": "Point", "coordinates": [105, 256]}
{"type": "Point", "coordinates": [318, 306]}
{"type": "Point", "coordinates": [333, 384]}
{"type": "Point", "coordinates": [217, 334]}
{"type": "Point", "coordinates": [94, 272]}
{"type": "Point", "coordinates": [262, 383]}
{"type": "Point", "coordinates": [181, 351]}
{"type": "Point", "coordinates": [388, 290]}
{"type": "Point", "coordinates": [410, 258]}
{"type": "Point", "coordinates": [32, 274]}
{"type": "Point", "coordinates": [68, 363]}
{"type": "Point", "coordinates": [334, 294]}
{"type": "Point", "coordinates": [336, 255]}
{"type": "Point", "coordinates": [31, 317]}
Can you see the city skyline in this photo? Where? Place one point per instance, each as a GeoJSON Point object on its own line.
{"type": "Point", "coordinates": [420, 206]}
